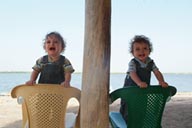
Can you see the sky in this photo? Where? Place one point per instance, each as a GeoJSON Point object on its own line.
{"type": "Point", "coordinates": [168, 24]}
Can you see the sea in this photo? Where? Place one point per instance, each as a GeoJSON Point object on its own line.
{"type": "Point", "coordinates": [8, 80]}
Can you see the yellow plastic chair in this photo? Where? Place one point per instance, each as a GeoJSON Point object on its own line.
{"type": "Point", "coordinates": [45, 105]}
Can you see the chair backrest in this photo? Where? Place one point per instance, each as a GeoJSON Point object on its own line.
{"type": "Point", "coordinates": [145, 106]}
{"type": "Point", "coordinates": [44, 105]}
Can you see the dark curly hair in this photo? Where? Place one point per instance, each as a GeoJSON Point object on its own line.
{"type": "Point", "coordinates": [140, 39]}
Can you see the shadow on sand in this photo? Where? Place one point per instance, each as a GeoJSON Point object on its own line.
{"type": "Point", "coordinates": [16, 124]}
{"type": "Point", "coordinates": [173, 113]}
{"type": "Point", "coordinates": [178, 114]}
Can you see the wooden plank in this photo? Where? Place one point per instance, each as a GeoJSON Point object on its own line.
{"type": "Point", "coordinates": [96, 64]}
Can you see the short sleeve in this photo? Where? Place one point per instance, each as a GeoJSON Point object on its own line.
{"type": "Point", "coordinates": [132, 66]}
{"type": "Point", "coordinates": [154, 67]}
{"type": "Point", "coordinates": [68, 66]}
{"type": "Point", "coordinates": [38, 65]}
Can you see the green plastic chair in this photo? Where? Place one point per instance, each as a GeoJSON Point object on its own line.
{"type": "Point", "coordinates": [145, 106]}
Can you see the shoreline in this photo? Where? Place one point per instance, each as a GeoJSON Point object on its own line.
{"type": "Point", "coordinates": [177, 113]}
{"type": "Point", "coordinates": [112, 72]}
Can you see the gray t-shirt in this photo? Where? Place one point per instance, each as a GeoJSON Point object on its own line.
{"type": "Point", "coordinates": [132, 65]}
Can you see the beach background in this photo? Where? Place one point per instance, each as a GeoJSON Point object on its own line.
{"type": "Point", "coordinates": [167, 23]}
{"type": "Point", "coordinates": [177, 114]}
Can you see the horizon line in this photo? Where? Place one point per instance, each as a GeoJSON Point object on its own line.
{"type": "Point", "coordinates": [110, 72]}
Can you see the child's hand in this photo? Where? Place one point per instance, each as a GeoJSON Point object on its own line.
{"type": "Point", "coordinates": [30, 82]}
{"type": "Point", "coordinates": [65, 84]}
{"type": "Point", "coordinates": [142, 85]}
{"type": "Point", "coordinates": [163, 84]}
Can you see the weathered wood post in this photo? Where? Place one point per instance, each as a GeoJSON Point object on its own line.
{"type": "Point", "coordinates": [96, 65]}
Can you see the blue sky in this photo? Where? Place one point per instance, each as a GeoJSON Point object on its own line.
{"type": "Point", "coordinates": [168, 23]}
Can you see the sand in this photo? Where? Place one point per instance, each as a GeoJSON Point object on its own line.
{"type": "Point", "coordinates": [177, 113]}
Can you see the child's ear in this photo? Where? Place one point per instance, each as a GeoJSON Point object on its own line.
{"type": "Point", "coordinates": [44, 45]}
{"type": "Point", "coordinates": [62, 50]}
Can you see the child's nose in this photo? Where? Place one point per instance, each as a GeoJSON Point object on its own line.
{"type": "Point", "coordinates": [51, 43]}
{"type": "Point", "coordinates": [141, 51]}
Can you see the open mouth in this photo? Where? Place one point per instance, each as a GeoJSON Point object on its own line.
{"type": "Point", "coordinates": [142, 55]}
{"type": "Point", "coordinates": [52, 48]}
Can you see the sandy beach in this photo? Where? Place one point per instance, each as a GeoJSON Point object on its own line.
{"type": "Point", "coordinates": [177, 113]}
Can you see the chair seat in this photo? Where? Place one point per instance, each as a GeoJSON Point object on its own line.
{"type": "Point", "coordinates": [117, 120]}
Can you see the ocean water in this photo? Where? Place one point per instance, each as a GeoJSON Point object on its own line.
{"type": "Point", "coordinates": [8, 80]}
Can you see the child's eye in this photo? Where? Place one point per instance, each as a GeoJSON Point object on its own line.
{"type": "Point", "coordinates": [48, 42]}
{"type": "Point", "coordinates": [55, 42]}
{"type": "Point", "coordinates": [137, 49]}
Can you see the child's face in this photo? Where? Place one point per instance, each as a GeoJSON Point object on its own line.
{"type": "Point", "coordinates": [141, 51]}
{"type": "Point", "coordinates": [53, 46]}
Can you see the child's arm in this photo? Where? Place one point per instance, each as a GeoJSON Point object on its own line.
{"type": "Point", "coordinates": [66, 83]}
{"type": "Point", "coordinates": [33, 77]}
{"type": "Point", "coordinates": [160, 78]}
{"type": "Point", "coordinates": [137, 80]}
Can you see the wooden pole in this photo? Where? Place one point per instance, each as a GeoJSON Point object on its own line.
{"type": "Point", "coordinates": [96, 65]}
